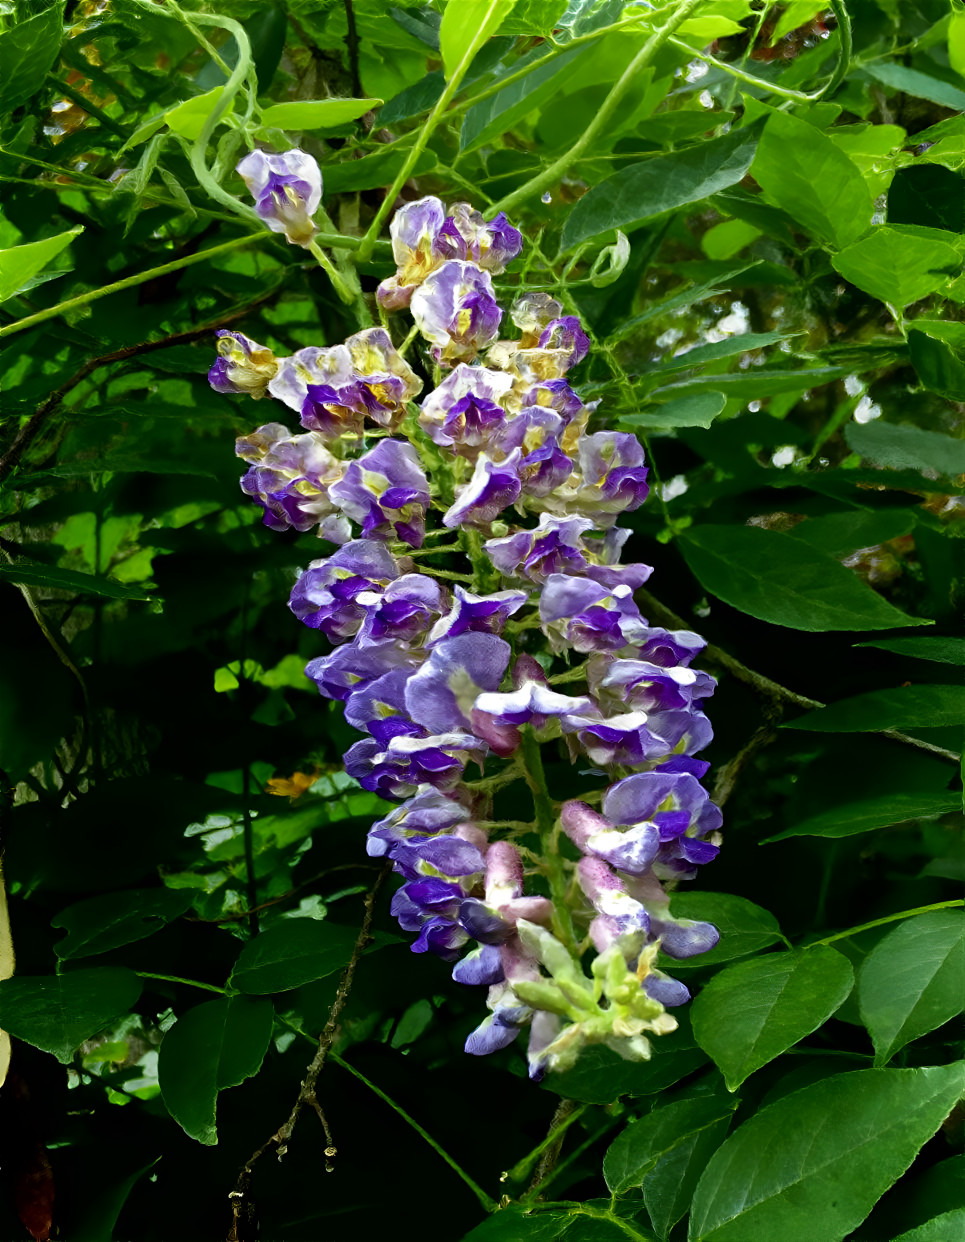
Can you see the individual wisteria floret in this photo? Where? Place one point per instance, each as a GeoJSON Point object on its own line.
{"type": "Point", "coordinates": [478, 619]}
{"type": "Point", "coordinates": [287, 190]}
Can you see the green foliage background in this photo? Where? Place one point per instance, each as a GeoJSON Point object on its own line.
{"type": "Point", "coordinates": [762, 228]}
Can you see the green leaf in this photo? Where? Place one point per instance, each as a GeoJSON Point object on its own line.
{"type": "Point", "coordinates": [729, 348]}
{"type": "Point", "coordinates": [316, 113]}
{"type": "Point", "coordinates": [777, 578]}
{"type": "Point", "coordinates": [838, 534]}
{"type": "Point", "coordinates": [664, 183]}
{"type": "Point", "coordinates": [902, 447]}
{"type": "Point", "coordinates": [103, 923]}
{"type": "Point", "coordinates": [904, 707]}
{"type": "Point", "coordinates": [913, 980]}
{"type": "Point", "coordinates": [756, 382]}
{"type": "Point", "coordinates": [912, 82]}
{"type": "Point", "coordinates": [943, 650]}
{"type": "Point", "coordinates": [188, 118]}
{"type": "Point", "coordinates": [899, 263]}
{"type": "Point", "coordinates": [700, 410]}
{"type": "Point", "coordinates": [811, 1166]}
{"type": "Point", "coordinates": [804, 173]}
{"type": "Point", "coordinates": [291, 953]}
{"type": "Point", "coordinates": [937, 364]}
{"type": "Point", "coordinates": [494, 116]}
{"type": "Point", "coordinates": [31, 573]}
{"type": "Point", "coordinates": [636, 1151]}
{"type": "Point", "coordinates": [57, 1013]}
{"type": "Point", "coordinates": [853, 817]}
{"type": "Point", "coordinates": [939, 1229]}
{"type": "Point", "coordinates": [519, 1224]}
{"type": "Point", "coordinates": [466, 25]}
{"type": "Point", "coordinates": [669, 1189]}
{"type": "Point", "coordinates": [27, 52]}
{"type": "Point", "coordinates": [20, 264]}
{"type": "Point", "coordinates": [744, 927]}
{"type": "Point", "coordinates": [534, 17]}
{"type": "Point", "coordinates": [753, 1011]}
{"type": "Point", "coordinates": [210, 1048]}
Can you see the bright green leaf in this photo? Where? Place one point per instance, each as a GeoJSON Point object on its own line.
{"type": "Point", "coordinates": [701, 355]}
{"type": "Point", "coordinates": [500, 112]}
{"type": "Point", "coordinates": [316, 113]}
{"type": "Point", "coordinates": [899, 263]}
{"type": "Point", "coordinates": [20, 264]}
{"type": "Point", "coordinates": [777, 578]}
{"type": "Point", "coordinates": [57, 1013]}
{"type": "Point", "coordinates": [811, 1166]}
{"type": "Point", "coordinates": [102, 923]}
{"type": "Point", "coordinates": [801, 171]}
{"type": "Point", "coordinates": [753, 1011]}
{"type": "Point", "coordinates": [756, 383]}
{"type": "Point", "coordinates": [636, 1150]}
{"type": "Point", "coordinates": [913, 980]}
{"type": "Point", "coordinates": [913, 82]}
{"type": "Point", "coordinates": [904, 707]}
{"type": "Point", "coordinates": [466, 25]}
{"type": "Point", "coordinates": [188, 118]}
{"type": "Point", "coordinates": [663, 183]}
{"type": "Point", "coordinates": [853, 817]}
{"type": "Point", "coordinates": [210, 1048]}
{"type": "Point", "coordinates": [291, 953]}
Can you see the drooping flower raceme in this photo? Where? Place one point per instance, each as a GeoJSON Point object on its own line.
{"type": "Point", "coordinates": [513, 638]}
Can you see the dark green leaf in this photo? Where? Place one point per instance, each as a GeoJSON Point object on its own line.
{"type": "Point", "coordinates": [913, 980]}
{"type": "Point", "coordinates": [103, 923]}
{"type": "Point", "coordinates": [805, 174]}
{"type": "Point", "coordinates": [901, 447]}
{"type": "Point", "coordinates": [753, 1011]}
{"type": "Point", "coordinates": [500, 112]}
{"type": "Point", "coordinates": [98, 1215]}
{"type": "Point", "coordinates": [777, 578]}
{"type": "Point", "coordinates": [854, 817]}
{"type": "Point", "coordinates": [744, 927]}
{"type": "Point", "coordinates": [904, 707]}
{"type": "Point", "coordinates": [664, 183]}
{"type": "Point", "coordinates": [519, 1224]}
{"type": "Point", "coordinates": [291, 953]}
{"type": "Point", "coordinates": [838, 534]}
{"type": "Point", "coordinates": [210, 1048]}
{"type": "Point", "coordinates": [700, 410]}
{"type": "Point", "coordinates": [756, 383]}
{"type": "Point", "coordinates": [32, 573]}
{"type": "Point", "coordinates": [729, 348]}
{"type": "Point", "coordinates": [20, 264]}
{"type": "Point", "coordinates": [636, 1151]}
{"type": "Point", "coordinates": [943, 650]}
{"type": "Point", "coordinates": [810, 1167]}
{"type": "Point", "coordinates": [27, 51]}
{"type": "Point", "coordinates": [669, 1188]}
{"type": "Point", "coordinates": [937, 363]}
{"type": "Point", "coordinates": [59, 1012]}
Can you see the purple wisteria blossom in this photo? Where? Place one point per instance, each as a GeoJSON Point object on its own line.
{"type": "Point", "coordinates": [456, 309]}
{"type": "Point", "coordinates": [478, 623]}
{"type": "Point", "coordinates": [287, 190]}
{"type": "Point", "coordinates": [242, 366]}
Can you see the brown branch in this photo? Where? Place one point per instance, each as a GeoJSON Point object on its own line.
{"type": "Point", "coordinates": [31, 429]}
{"type": "Point", "coordinates": [773, 691]}
{"type": "Point", "coordinates": [243, 1227]}
{"type": "Point", "coordinates": [551, 1155]}
{"type": "Point", "coordinates": [352, 44]}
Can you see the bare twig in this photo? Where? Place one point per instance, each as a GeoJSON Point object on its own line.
{"type": "Point", "coordinates": [557, 1133]}
{"type": "Point", "coordinates": [771, 690]}
{"type": "Point", "coordinates": [31, 429]}
{"type": "Point", "coordinates": [242, 1210]}
{"type": "Point", "coordinates": [352, 43]}
{"type": "Point", "coordinates": [728, 775]}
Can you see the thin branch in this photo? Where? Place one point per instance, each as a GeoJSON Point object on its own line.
{"type": "Point", "coordinates": [30, 430]}
{"type": "Point", "coordinates": [241, 1208]}
{"type": "Point", "coordinates": [728, 775]}
{"type": "Point", "coordinates": [772, 690]}
{"type": "Point", "coordinates": [352, 43]}
{"type": "Point", "coordinates": [549, 1150]}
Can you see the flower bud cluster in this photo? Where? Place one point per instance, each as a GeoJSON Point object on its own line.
{"type": "Point", "coordinates": [496, 472]}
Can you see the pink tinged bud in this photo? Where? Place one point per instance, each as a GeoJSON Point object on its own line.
{"type": "Point", "coordinates": [502, 739]}
{"type": "Point", "coordinates": [504, 873]}
{"type": "Point", "coordinates": [580, 822]}
{"type": "Point", "coordinates": [475, 836]}
{"type": "Point", "coordinates": [527, 668]}
{"type": "Point", "coordinates": [604, 932]}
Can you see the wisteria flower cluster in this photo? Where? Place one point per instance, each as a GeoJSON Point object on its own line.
{"type": "Point", "coordinates": [478, 616]}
